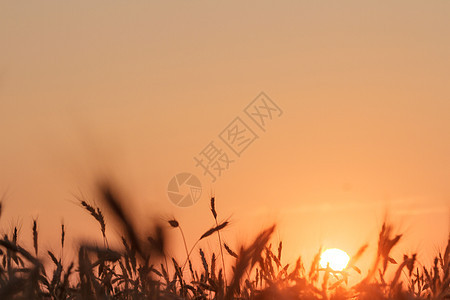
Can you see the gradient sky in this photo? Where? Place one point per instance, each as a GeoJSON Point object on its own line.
{"type": "Point", "coordinates": [136, 89]}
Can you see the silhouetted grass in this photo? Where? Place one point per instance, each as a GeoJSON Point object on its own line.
{"type": "Point", "coordinates": [140, 269]}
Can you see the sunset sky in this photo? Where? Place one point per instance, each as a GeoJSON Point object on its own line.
{"type": "Point", "coordinates": [133, 90]}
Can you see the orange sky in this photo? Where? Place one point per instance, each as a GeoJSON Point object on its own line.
{"type": "Point", "coordinates": [136, 89]}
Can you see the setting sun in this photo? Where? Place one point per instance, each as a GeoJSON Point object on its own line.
{"type": "Point", "coordinates": [225, 150]}
{"type": "Point", "coordinates": [335, 258]}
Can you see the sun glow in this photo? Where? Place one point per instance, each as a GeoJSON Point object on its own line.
{"type": "Point", "coordinates": [335, 258]}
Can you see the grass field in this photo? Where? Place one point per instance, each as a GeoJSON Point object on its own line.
{"type": "Point", "coordinates": [140, 269]}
